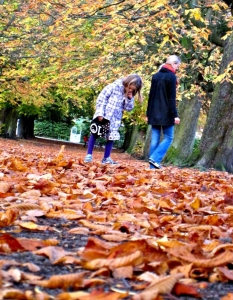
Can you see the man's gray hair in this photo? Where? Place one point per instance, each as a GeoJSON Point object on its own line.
{"type": "Point", "coordinates": [173, 59]}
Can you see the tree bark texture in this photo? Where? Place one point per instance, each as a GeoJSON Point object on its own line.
{"type": "Point", "coordinates": [184, 138]}
{"type": "Point", "coordinates": [128, 133]}
{"type": "Point", "coordinates": [216, 147]}
{"type": "Point", "coordinates": [146, 150]}
{"type": "Point", "coordinates": [137, 136]}
{"type": "Point", "coordinates": [9, 122]}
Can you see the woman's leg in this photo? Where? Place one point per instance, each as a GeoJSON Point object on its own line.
{"type": "Point", "coordinates": [155, 139]}
{"type": "Point", "coordinates": [91, 144]}
{"type": "Point", "coordinates": [108, 148]}
{"type": "Point", "coordinates": [161, 150]}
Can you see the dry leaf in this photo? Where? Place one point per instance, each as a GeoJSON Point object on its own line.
{"type": "Point", "coordinates": [184, 289]}
{"type": "Point", "coordinates": [124, 272]}
{"type": "Point", "coordinates": [4, 187]}
{"type": "Point", "coordinates": [62, 281]}
{"type": "Point", "coordinates": [9, 244]}
{"type": "Point", "coordinates": [163, 285]}
{"type": "Point", "coordinates": [132, 259]}
{"type": "Point", "coordinates": [54, 253]}
{"type": "Point", "coordinates": [12, 294]}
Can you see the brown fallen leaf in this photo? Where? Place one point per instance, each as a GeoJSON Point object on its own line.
{"type": "Point", "coordinates": [67, 260]}
{"type": "Point", "coordinates": [132, 259]}
{"type": "Point", "coordinates": [68, 214]}
{"type": "Point", "coordinates": [114, 238]}
{"type": "Point", "coordinates": [37, 295]}
{"type": "Point", "coordinates": [35, 213]}
{"type": "Point", "coordinates": [229, 296]}
{"type": "Point", "coordinates": [9, 244]}
{"type": "Point", "coordinates": [93, 282]}
{"type": "Point", "coordinates": [162, 285]}
{"type": "Point", "coordinates": [185, 289]}
{"type": "Point", "coordinates": [8, 217]}
{"type": "Point", "coordinates": [25, 206]}
{"type": "Point", "coordinates": [32, 226]}
{"type": "Point", "coordinates": [219, 260]}
{"type": "Point", "coordinates": [32, 267]}
{"type": "Point", "coordinates": [94, 226]}
{"type": "Point", "coordinates": [16, 294]}
{"type": "Point", "coordinates": [32, 244]}
{"type": "Point", "coordinates": [52, 252]}
{"type": "Point", "coordinates": [62, 281]}
{"type": "Point", "coordinates": [71, 296]}
{"type": "Point", "coordinates": [79, 230]}
{"type": "Point", "coordinates": [12, 274]}
{"type": "Point", "coordinates": [124, 272]}
{"type": "Point", "coordinates": [61, 153]}
{"type": "Point", "coordinates": [185, 270]}
{"type": "Point", "coordinates": [148, 276]}
{"type": "Point", "coordinates": [4, 187]}
{"type": "Point", "coordinates": [17, 165]}
{"type": "Point", "coordinates": [30, 194]}
{"type": "Point", "coordinates": [225, 272]}
{"type": "Point", "coordinates": [101, 295]}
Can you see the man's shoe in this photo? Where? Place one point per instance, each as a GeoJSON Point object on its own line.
{"type": "Point", "coordinates": [88, 158]}
{"type": "Point", "coordinates": [108, 160]}
{"type": "Point", "coordinates": [155, 164]}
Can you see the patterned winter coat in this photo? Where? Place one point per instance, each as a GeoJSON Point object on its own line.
{"type": "Point", "coordinates": [110, 104]}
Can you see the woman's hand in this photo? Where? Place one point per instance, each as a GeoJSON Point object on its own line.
{"type": "Point", "coordinates": [130, 91]}
{"type": "Point", "coordinates": [177, 120]}
{"type": "Point", "coordinates": [129, 95]}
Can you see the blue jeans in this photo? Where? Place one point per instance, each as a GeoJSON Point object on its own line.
{"type": "Point", "coordinates": [159, 149]}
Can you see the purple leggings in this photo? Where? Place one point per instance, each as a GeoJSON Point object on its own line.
{"type": "Point", "coordinates": [91, 144]}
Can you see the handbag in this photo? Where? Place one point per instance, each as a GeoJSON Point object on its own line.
{"type": "Point", "coordinates": [100, 128]}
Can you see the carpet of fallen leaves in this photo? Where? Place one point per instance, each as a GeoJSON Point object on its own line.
{"type": "Point", "coordinates": [71, 230]}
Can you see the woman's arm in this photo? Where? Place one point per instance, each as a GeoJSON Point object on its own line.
{"type": "Point", "coordinates": [102, 100]}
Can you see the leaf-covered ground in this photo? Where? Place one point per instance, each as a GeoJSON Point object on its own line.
{"type": "Point", "coordinates": [71, 230]}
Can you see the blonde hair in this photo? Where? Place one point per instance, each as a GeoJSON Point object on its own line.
{"type": "Point", "coordinates": [136, 80]}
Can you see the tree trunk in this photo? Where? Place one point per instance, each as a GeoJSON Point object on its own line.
{"type": "Point", "coordinates": [184, 137]}
{"type": "Point", "coordinates": [26, 127]}
{"type": "Point", "coordinates": [147, 143]}
{"type": "Point", "coordinates": [133, 139]}
{"type": "Point", "coordinates": [128, 133]}
{"type": "Point", "coordinates": [8, 122]}
{"type": "Point", "coordinates": [217, 139]}
{"type": "Point", "coordinates": [2, 121]}
{"type": "Point", "coordinates": [136, 142]}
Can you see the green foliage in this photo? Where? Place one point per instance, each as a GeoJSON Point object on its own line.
{"type": "Point", "coordinates": [85, 128]}
{"type": "Point", "coordinates": [28, 110]}
{"type": "Point", "coordinates": [195, 154]}
{"type": "Point", "coordinates": [172, 154]}
{"type": "Point", "coordinates": [2, 129]}
{"type": "Point", "coordinates": [53, 130]}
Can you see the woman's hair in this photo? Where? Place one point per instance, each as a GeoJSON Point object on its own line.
{"type": "Point", "coordinates": [170, 60]}
{"type": "Point", "coordinates": [173, 59]}
{"type": "Point", "coordinates": [135, 80]}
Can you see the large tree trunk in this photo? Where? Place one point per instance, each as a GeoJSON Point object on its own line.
{"type": "Point", "coordinates": [26, 127]}
{"type": "Point", "coordinates": [217, 140]}
{"type": "Point", "coordinates": [8, 122]}
{"type": "Point", "coordinates": [184, 138]}
{"type": "Point", "coordinates": [128, 133]}
{"type": "Point", "coordinates": [146, 150]}
{"type": "Point", "coordinates": [136, 142]}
